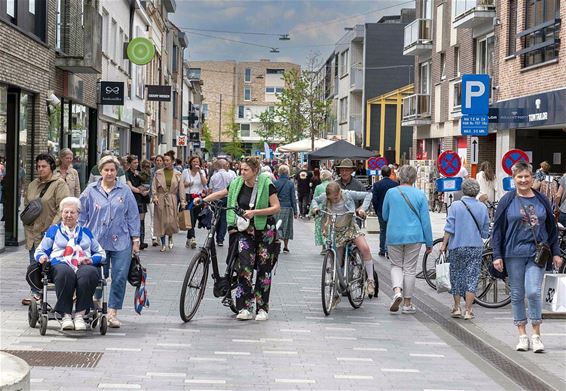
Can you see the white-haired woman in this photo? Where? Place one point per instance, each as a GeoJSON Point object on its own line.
{"type": "Point", "coordinates": [74, 254]}
{"type": "Point", "coordinates": [68, 173]}
{"type": "Point", "coordinates": [325, 178]}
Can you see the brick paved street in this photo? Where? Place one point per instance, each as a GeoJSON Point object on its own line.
{"type": "Point", "coordinates": [298, 348]}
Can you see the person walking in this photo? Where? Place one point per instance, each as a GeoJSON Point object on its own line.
{"type": "Point", "coordinates": [194, 180]}
{"type": "Point", "coordinates": [288, 201]}
{"type": "Point", "coordinates": [303, 181]}
{"type": "Point", "coordinates": [466, 225]}
{"type": "Point", "coordinates": [524, 218]}
{"type": "Point", "coordinates": [141, 194]}
{"type": "Point", "coordinates": [68, 173]}
{"type": "Point", "coordinates": [167, 185]}
{"type": "Point", "coordinates": [157, 165]}
{"type": "Point", "coordinates": [560, 200]}
{"type": "Point", "coordinates": [378, 191]}
{"type": "Point", "coordinates": [486, 181]}
{"type": "Point", "coordinates": [220, 180]}
{"type": "Point", "coordinates": [109, 210]}
{"type": "Point", "coordinates": [325, 178]}
{"type": "Point", "coordinates": [51, 189]}
{"type": "Point", "coordinates": [254, 193]}
{"type": "Point", "coordinates": [405, 209]}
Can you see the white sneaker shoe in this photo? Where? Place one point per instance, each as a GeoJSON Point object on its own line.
{"type": "Point", "coordinates": [408, 309]}
{"type": "Point", "coordinates": [244, 315]}
{"type": "Point", "coordinates": [396, 302]}
{"type": "Point", "coordinates": [80, 324]}
{"type": "Point", "coordinates": [523, 344]}
{"type": "Point", "coordinates": [536, 343]}
{"type": "Point", "coordinates": [67, 322]}
{"type": "Point", "coordinates": [261, 315]}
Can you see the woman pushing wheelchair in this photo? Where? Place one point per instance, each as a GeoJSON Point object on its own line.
{"type": "Point", "coordinates": [74, 255]}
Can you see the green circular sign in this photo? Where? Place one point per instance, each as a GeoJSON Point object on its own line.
{"type": "Point", "coordinates": [140, 51]}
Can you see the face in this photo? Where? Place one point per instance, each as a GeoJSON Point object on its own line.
{"type": "Point", "coordinates": [67, 160]}
{"type": "Point", "coordinates": [43, 169]}
{"type": "Point", "coordinates": [168, 162]}
{"type": "Point", "coordinates": [523, 180]}
{"type": "Point", "coordinates": [108, 172]}
{"type": "Point", "coordinates": [247, 172]}
{"type": "Point", "coordinates": [70, 215]}
{"type": "Point", "coordinates": [346, 173]}
{"type": "Point", "coordinates": [134, 164]}
{"type": "Point", "coordinates": [334, 197]}
{"type": "Point", "coordinates": [195, 164]}
{"type": "Point", "coordinates": [159, 162]}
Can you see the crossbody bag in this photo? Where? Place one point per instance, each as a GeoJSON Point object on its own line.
{"type": "Point", "coordinates": [543, 253]}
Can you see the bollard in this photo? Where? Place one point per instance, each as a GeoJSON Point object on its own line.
{"type": "Point", "coordinates": [15, 373]}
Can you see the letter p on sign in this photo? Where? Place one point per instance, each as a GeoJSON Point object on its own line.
{"type": "Point", "coordinates": [475, 94]}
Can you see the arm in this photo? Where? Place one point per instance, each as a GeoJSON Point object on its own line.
{"type": "Point", "coordinates": [43, 251]}
{"type": "Point", "coordinates": [498, 231]}
{"type": "Point", "coordinates": [274, 207]}
{"type": "Point", "coordinates": [97, 253]}
{"type": "Point", "coordinates": [154, 190]}
{"type": "Point", "coordinates": [216, 196]}
{"type": "Point", "coordinates": [385, 207]}
{"type": "Point", "coordinates": [203, 178]}
{"type": "Point", "coordinates": [77, 190]}
{"type": "Point", "coordinates": [181, 191]}
{"type": "Point", "coordinates": [133, 220]}
{"type": "Point", "coordinates": [83, 216]}
{"type": "Point", "coordinates": [294, 199]}
{"type": "Point", "coordinates": [449, 228]}
{"type": "Point", "coordinates": [425, 220]}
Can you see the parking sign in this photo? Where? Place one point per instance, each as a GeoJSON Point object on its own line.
{"type": "Point", "coordinates": [475, 94]}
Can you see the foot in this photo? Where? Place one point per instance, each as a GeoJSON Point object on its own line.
{"type": "Point", "coordinates": [523, 344]}
{"type": "Point", "coordinates": [80, 324]}
{"type": "Point", "coordinates": [397, 299]}
{"type": "Point", "coordinates": [536, 343]}
{"type": "Point", "coordinates": [286, 250]}
{"type": "Point", "coordinates": [382, 253]}
{"type": "Point", "coordinates": [67, 322]}
{"type": "Point", "coordinates": [170, 242]}
{"type": "Point", "coordinates": [469, 315]}
{"type": "Point", "coordinates": [456, 312]}
{"type": "Point", "coordinates": [244, 315]}
{"type": "Point", "coordinates": [370, 288]}
{"type": "Point", "coordinates": [336, 301]}
{"type": "Point", "coordinates": [261, 315]}
{"type": "Point", "coordinates": [408, 309]}
{"type": "Point", "coordinates": [163, 248]}
{"type": "Point", "coordinates": [154, 242]}
{"type": "Point", "coordinates": [188, 243]}
{"type": "Point", "coordinates": [28, 300]}
{"type": "Point", "coordinates": [113, 321]}
{"type": "Point", "coordinates": [143, 246]}
{"type": "Point", "coordinates": [220, 244]}
{"type": "Point", "coordinates": [193, 243]}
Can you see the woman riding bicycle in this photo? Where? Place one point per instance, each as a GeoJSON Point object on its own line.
{"type": "Point", "coordinates": [254, 193]}
{"type": "Point", "coordinates": [336, 200]}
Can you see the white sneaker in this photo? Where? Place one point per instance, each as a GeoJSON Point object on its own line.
{"type": "Point", "coordinates": [523, 344]}
{"type": "Point", "coordinates": [261, 315]}
{"type": "Point", "coordinates": [80, 324]}
{"type": "Point", "coordinates": [408, 309]}
{"type": "Point", "coordinates": [67, 323]}
{"type": "Point", "coordinates": [244, 315]}
{"type": "Point", "coordinates": [537, 345]}
{"type": "Point", "coordinates": [396, 302]}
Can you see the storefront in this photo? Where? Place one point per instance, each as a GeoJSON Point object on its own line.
{"type": "Point", "coordinates": [114, 130]}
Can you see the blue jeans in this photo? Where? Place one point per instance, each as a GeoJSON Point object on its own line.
{"type": "Point", "coordinates": [120, 266]}
{"type": "Point", "coordinates": [525, 278]}
{"type": "Point", "coordinates": [382, 234]}
{"type": "Point", "coordinates": [222, 226]}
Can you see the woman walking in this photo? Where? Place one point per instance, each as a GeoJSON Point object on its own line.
{"type": "Point", "coordinates": [194, 180]}
{"type": "Point", "coordinates": [109, 210]}
{"type": "Point", "coordinates": [524, 218]}
{"type": "Point", "coordinates": [466, 225]}
{"type": "Point", "coordinates": [166, 186]}
{"type": "Point", "coordinates": [288, 202]}
{"type": "Point", "coordinates": [254, 193]}
{"type": "Point", "coordinates": [486, 181]}
{"type": "Point", "coordinates": [141, 194]}
{"type": "Point", "coordinates": [405, 209]}
{"type": "Point", "coordinates": [68, 173]}
{"type": "Point", "coordinates": [325, 177]}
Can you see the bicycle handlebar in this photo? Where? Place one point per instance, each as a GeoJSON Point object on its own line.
{"type": "Point", "coordinates": [239, 211]}
{"type": "Point", "coordinates": [353, 214]}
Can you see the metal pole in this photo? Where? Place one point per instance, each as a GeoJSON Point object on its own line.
{"type": "Point", "coordinates": [219, 126]}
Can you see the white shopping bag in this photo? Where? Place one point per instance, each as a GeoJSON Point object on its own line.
{"type": "Point", "coordinates": [442, 274]}
{"type": "Point", "coordinates": [554, 293]}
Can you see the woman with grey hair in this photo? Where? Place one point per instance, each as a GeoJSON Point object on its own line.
{"type": "Point", "coordinates": [68, 173]}
{"type": "Point", "coordinates": [325, 178]}
{"type": "Point", "coordinates": [405, 209]}
{"type": "Point", "coordinates": [466, 225]}
{"type": "Point", "coordinates": [288, 200]}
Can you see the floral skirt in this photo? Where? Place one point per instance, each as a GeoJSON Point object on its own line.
{"type": "Point", "coordinates": [346, 234]}
{"type": "Point", "coordinates": [465, 265]}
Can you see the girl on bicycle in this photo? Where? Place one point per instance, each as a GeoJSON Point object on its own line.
{"type": "Point", "coordinates": [256, 241]}
{"type": "Point", "coordinates": [336, 200]}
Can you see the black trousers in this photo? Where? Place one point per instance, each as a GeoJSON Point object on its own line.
{"type": "Point", "coordinates": [304, 203]}
{"type": "Point", "coordinates": [67, 282]}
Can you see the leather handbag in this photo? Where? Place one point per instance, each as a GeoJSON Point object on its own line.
{"type": "Point", "coordinates": [135, 274]}
{"type": "Point", "coordinates": [34, 208]}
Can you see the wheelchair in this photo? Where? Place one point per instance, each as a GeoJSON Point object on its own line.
{"type": "Point", "coordinates": [42, 312]}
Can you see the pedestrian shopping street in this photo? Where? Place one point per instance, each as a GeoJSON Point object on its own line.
{"type": "Point", "coordinates": [297, 348]}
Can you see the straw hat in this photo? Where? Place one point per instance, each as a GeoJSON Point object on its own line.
{"type": "Point", "coordinates": [346, 163]}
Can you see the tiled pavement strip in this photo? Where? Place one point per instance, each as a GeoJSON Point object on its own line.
{"type": "Point", "coordinates": [298, 348]}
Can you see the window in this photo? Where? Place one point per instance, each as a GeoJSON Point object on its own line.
{"type": "Point", "coordinates": [344, 63]}
{"type": "Point", "coordinates": [174, 57]}
{"type": "Point", "coordinates": [240, 111]}
{"type": "Point", "coordinates": [442, 66]}
{"type": "Point", "coordinates": [278, 90]}
{"type": "Point", "coordinates": [112, 39]}
{"type": "Point", "coordinates": [275, 71]}
{"type": "Point", "coordinates": [247, 93]}
{"type": "Point", "coordinates": [244, 130]}
{"type": "Point", "coordinates": [205, 110]}
{"type": "Point", "coordinates": [11, 8]}
{"type": "Point", "coordinates": [105, 17]}
{"type": "Point", "coordinates": [426, 10]}
{"type": "Point", "coordinates": [270, 90]}
{"type": "Point", "coordinates": [540, 39]}
{"type": "Point", "coordinates": [117, 55]}
{"type": "Point", "coordinates": [31, 7]}
{"type": "Point", "coordinates": [248, 75]}
{"type": "Point", "coordinates": [485, 55]}
{"type": "Point", "coordinates": [456, 61]}
{"type": "Point", "coordinates": [424, 77]}
{"type": "Point", "coordinates": [344, 110]}
{"type": "Point", "coordinates": [512, 28]}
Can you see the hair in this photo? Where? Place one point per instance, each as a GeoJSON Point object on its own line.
{"type": "Point", "coordinates": [74, 201]}
{"type": "Point", "coordinates": [171, 154]}
{"type": "Point", "coordinates": [108, 159]}
{"type": "Point", "coordinates": [283, 169]}
{"type": "Point", "coordinates": [252, 162]}
{"type": "Point", "coordinates": [407, 175]}
{"type": "Point", "coordinates": [545, 166]}
{"type": "Point", "coordinates": [131, 158]}
{"type": "Point", "coordinates": [145, 163]}
{"type": "Point", "coordinates": [158, 157]}
{"type": "Point", "coordinates": [332, 188]}
{"type": "Point", "coordinates": [316, 173]}
{"type": "Point", "coordinates": [193, 158]}
{"type": "Point", "coordinates": [386, 171]}
{"type": "Point", "coordinates": [48, 158]}
{"type": "Point", "coordinates": [266, 169]}
{"type": "Point", "coordinates": [470, 187]}
{"type": "Point", "coordinates": [64, 152]}
{"type": "Point", "coordinates": [325, 175]}
{"type": "Point", "coordinates": [488, 171]}
{"type": "Point", "coordinates": [521, 166]}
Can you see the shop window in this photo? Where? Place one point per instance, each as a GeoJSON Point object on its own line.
{"type": "Point", "coordinates": [540, 39]}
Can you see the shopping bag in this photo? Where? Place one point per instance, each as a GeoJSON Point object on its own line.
{"type": "Point", "coordinates": [442, 274]}
{"type": "Point", "coordinates": [184, 219]}
{"type": "Point", "coordinates": [554, 293]}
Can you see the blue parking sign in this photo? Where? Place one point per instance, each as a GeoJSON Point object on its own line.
{"type": "Point", "coordinates": [475, 94]}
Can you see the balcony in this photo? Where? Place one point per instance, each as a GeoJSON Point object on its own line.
{"type": "Point", "coordinates": [79, 38]}
{"type": "Point", "coordinates": [416, 110]}
{"type": "Point", "coordinates": [356, 79]}
{"type": "Point", "coordinates": [418, 38]}
{"type": "Point", "coordinates": [194, 73]}
{"type": "Point", "coordinates": [472, 13]}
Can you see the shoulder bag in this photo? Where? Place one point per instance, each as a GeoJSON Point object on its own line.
{"type": "Point", "coordinates": [542, 253]}
{"type": "Point", "coordinates": [409, 203]}
{"type": "Point", "coordinates": [34, 208]}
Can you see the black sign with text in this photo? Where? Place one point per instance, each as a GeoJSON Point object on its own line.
{"type": "Point", "coordinates": [112, 93]}
{"type": "Point", "coordinates": [194, 136]}
{"type": "Point", "coordinates": [159, 93]}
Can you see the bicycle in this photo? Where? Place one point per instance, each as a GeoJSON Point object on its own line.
{"type": "Point", "coordinates": [351, 279]}
{"type": "Point", "coordinates": [194, 283]}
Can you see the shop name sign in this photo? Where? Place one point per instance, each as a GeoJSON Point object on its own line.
{"type": "Point", "coordinates": [538, 116]}
{"type": "Point", "coordinates": [112, 93]}
{"type": "Point", "coordinates": [159, 93]}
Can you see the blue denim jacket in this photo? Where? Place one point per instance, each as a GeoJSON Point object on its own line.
{"type": "Point", "coordinates": [286, 193]}
{"type": "Point", "coordinates": [350, 198]}
{"type": "Point", "coordinates": [112, 218]}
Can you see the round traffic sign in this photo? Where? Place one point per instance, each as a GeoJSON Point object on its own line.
{"type": "Point", "coordinates": [449, 163]}
{"type": "Point", "coordinates": [376, 163]}
{"type": "Point", "coordinates": [140, 51]}
{"type": "Point", "coordinates": [511, 157]}
{"type": "Point", "coordinates": [381, 162]}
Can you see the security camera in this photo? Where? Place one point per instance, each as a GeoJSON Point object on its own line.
{"type": "Point", "coordinates": [52, 100]}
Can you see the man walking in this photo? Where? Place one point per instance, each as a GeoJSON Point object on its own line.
{"type": "Point", "coordinates": [303, 180]}
{"type": "Point", "coordinates": [220, 181]}
{"type": "Point", "coordinates": [379, 189]}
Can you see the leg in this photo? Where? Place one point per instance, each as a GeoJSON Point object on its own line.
{"type": "Point", "coordinates": [34, 293]}
{"type": "Point", "coordinates": [65, 281]}
{"type": "Point", "coordinates": [120, 268]}
{"type": "Point", "coordinates": [246, 258]}
{"type": "Point", "coordinates": [142, 231]}
{"type": "Point", "coordinates": [396, 254]}
{"type": "Point", "coordinates": [533, 286]}
{"type": "Point", "coordinates": [264, 263]}
{"type": "Point", "coordinates": [456, 281]}
{"type": "Point", "coordinates": [410, 270]}
{"type": "Point", "coordinates": [382, 235]}
{"type": "Point", "coordinates": [222, 224]}
{"type": "Point", "coordinates": [87, 280]}
{"type": "Point", "coordinates": [472, 275]}
{"type": "Point", "coordinates": [151, 218]}
{"type": "Point", "coordinates": [363, 246]}
{"type": "Point", "coordinates": [516, 269]}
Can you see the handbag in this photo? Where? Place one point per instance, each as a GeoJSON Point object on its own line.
{"type": "Point", "coordinates": [542, 252]}
{"type": "Point", "coordinates": [184, 219]}
{"type": "Point", "coordinates": [135, 274]}
{"type": "Point", "coordinates": [34, 208]}
{"type": "Point", "coordinates": [554, 292]}
{"type": "Point", "coordinates": [442, 275]}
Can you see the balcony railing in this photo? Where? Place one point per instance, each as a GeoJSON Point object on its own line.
{"type": "Point", "coordinates": [471, 13]}
{"type": "Point", "coordinates": [418, 37]}
{"type": "Point", "coordinates": [416, 109]}
{"type": "Point", "coordinates": [194, 74]}
{"type": "Point", "coordinates": [356, 79]}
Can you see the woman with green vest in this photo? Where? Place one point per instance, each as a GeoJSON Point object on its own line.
{"type": "Point", "coordinates": [254, 193]}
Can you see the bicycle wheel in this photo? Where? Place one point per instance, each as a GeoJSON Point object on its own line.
{"type": "Point", "coordinates": [356, 279]}
{"type": "Point", "coordinates": [429, 263]}
{"type": "Point", "coordinates": [491, 292]}
{"type": "Point", "coordinates": [194, 286]}
{"type": "Point", "coordinates": [328, 282]}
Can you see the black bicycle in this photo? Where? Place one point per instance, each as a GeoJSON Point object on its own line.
{"type": "Point", "coordinates": [194, 284]}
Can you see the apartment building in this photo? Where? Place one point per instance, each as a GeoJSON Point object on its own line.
{"type": "Point", "coordinates": [193, 114]}
{"type": "Point", "coordinates": [245, 89]}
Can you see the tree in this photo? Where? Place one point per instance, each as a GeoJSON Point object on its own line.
{"type": "Point", "coordinates": [270, 128]}
{"type": "Point", "coordinates": [206, 136]}
{"type": "Point", "coordinates": [234, 146]}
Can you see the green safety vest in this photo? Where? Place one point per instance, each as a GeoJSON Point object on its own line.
{"type": "Point", "coordinates": [262, 200]}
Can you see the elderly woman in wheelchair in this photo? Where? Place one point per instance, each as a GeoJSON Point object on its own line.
{"type": "Point", "coordinates": [74, 256]}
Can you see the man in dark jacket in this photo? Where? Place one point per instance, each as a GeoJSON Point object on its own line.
{"type": "Point", "coordinates": [303, 181]}
{"type": "Point", "coordinates": [379, 189]}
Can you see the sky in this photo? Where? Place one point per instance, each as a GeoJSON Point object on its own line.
{"type": "Point", "coordinates": [314, 26]}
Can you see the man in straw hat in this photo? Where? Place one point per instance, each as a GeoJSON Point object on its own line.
{"type": "Point", "coordinates": [346, 181]}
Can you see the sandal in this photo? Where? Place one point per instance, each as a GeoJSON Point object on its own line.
{"type": "Point", "coordinates": [456, 312]}
{"type": "Point", "coordinates": [469, 315]}
{"type": "Point", "coordinates": [113, 322]}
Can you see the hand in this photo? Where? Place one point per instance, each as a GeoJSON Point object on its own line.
{"type": "Point", "coordinates": [248, 214]}
{"type": "Point", "coordinates": [483, 198]}
{"type": "Point", "coordinates": [43, 259]}
{"type": "Point", "coordinates": [183, 205]}
{"type": "Point", "coordinates": [156, 201]}
{"type": "Point", "coordinates": [428, 250]}
{"type": "Point", "coordinates": [136, 247]}
{"type": "Point", "coordinates": [443, 248]}
{"type": "Point", "coordinates": [360, 212]}
{"type": "Point", "coordinates": [197, 201]}
{"type": "Point", "coordinates": [314, 211]}
{"type": "Point", "coordinates": [498, 264]}
{"type": "Point", "coordinates": [557, 261]}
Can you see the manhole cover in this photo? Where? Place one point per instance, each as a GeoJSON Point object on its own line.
{"type": "Point", "coordinates": [58, 359]}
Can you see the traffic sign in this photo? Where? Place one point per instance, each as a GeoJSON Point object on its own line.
{"type": "Point", "coordinates": [474, 141]}
{"type": "Point", "coordinates": [474, 125]}
{"type": "Point", "coordinates": [381, 162]}
{"type": "Point", "coordinates": [511, 157]}
{"type": "Point", "coordinates": [373, 172]}
{"type": "Point", "coordinates": [475, 94]}
{"type": "Point", "coordinates": [448, 184]}
{"type": "Point", "coordinates": [508, 184]}
{"type": "Point", "coordinates": [376, 163]}
{"type": "Point", "coordinates": [181, 141]}
{"type": "Point", "coordinates": [449, 163]}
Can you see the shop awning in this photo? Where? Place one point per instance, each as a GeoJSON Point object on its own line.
{"type": "Point", "coordinates": [305, 145]}
{"type": "Point", "coordinates": [341, 149]}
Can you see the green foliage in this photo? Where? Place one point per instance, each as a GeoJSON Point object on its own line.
{"type": "Point", "coordinates": [234, 146]}
{"type": "Point", "coordinates": [270, 128]}
{"type": "Point", "coordinates": [206, 136]}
